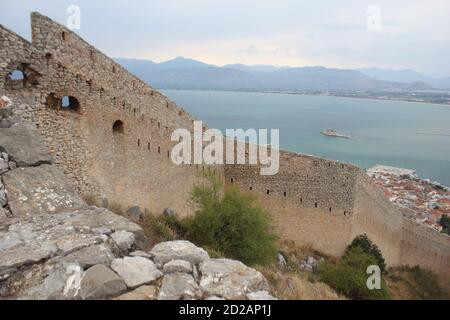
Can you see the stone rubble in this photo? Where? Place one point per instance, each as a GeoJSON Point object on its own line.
{"type": "Point", "coordinates": [53, 246]}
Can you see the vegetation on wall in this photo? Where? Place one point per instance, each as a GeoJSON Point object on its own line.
{"type": "Point", "coordinates": [349, 276]}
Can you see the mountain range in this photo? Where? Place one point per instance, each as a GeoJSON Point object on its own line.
{"type": "Point", "coordinates": [183, 73]}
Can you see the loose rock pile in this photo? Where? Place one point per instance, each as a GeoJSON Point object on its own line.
{"type": "Point", "coordinates": [54, 246]}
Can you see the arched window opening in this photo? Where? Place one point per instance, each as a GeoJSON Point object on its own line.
{"type": "Point", "coordinates": [316, 204]}
{"type": "Point", "coordinates": [22, 77]}
{"type": "Point", "coordinates": [268, 191]}
{"type": "Point", "coordinates": [69, 103]}
{"type": "Point", "coordinates": [118, 127]}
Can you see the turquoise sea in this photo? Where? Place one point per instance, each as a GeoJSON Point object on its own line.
{"type": "Point", "coordinates": [404, 134]}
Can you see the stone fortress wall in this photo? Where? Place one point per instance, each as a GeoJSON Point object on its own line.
{"type": "Point", "coordinates": [114, 144]}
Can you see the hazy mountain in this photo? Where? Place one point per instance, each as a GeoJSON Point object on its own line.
{"type": "Point", "coordinates": [183, 73]}
{"type": "Point", "coordinates": [254, 68]}
{"type": "Point", "coordinates": [406, 76]}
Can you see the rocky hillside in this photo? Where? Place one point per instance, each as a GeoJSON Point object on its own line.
{"type": "Point", "coordinates": [54, 246]}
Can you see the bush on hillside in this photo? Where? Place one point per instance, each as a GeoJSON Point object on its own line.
{"type": "Point", "coordinates": [231, 223]}
{"type": "Point", "coordinates": [348, 277]}
{"type": "Point", "coordinates": [368, 247]}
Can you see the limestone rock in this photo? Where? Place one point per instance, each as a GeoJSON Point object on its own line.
{"type": "Point", "coordinates": [141, 293]}
{"type": "Point", "coordinates": [230, 279]}
{"type": "Point", "coordinates": [178, 250]}
{"type": "Point", "coordinates": [90, 256]}
{"type": "Point", "coordinates": [21, 253]}
{"type": "Point", "coordinates": [100, 282]}
{"type": "Point", "coordinates": [140, 254]}
{"type": "Point", "coordinates": [3, 215]}
{"type": "Point", "coordinates": [3, 199]}
{"type": "Point", "coordinates": [123, 239]}
{"type": "Point", "coordinates": [179, 286]}
{"type": "Point", "coordinates": [24, 145]}
{"type": "Point", "coordinates": [37, 190]}
{"type": "Point", "coordinates": [169, 212]}
{"type": "Point", "coordinates": [61, 281]}
{"type": "Point", "coordinates": [136, 271]}
{"type": "Point", "coordinates": [177, 266]}
{"type": "Point", "coordinates": [135, 213]}
{"type": "Point", "coordinates": [41, 237]}
{"type": "Point", "coordinates": [260, 295]}
{"type": "Point", "coordinates": [4, 166]}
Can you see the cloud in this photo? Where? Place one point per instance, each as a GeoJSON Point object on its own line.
{"type": "Point", "coordinates": [333, 33]}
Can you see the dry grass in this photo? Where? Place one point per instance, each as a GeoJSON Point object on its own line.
{"type": "Point", "coordinates": [293, 285]}
{"type": "Point", "coordinates": [290, 282]}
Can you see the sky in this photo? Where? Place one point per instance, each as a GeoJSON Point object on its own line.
{"type": "Point", "coordinates": [400, 34]}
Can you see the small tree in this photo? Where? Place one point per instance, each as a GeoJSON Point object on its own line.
{"type": "Point", "coordinates": [368, 247]}
{"type": "Point", "coordinates": [445, 223]}
{"type": "Point", "coordinates": [349, 277]}
{"type": "Point", "coordinates": [231, 223]}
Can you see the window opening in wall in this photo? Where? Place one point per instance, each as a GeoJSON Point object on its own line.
{"type": "Point", "coordinates": [301, 200]}
{"type": "Point", "coordinates": [64, 35]}
{"type": "Point", "coordinates": [118, 127]}
{"type": "Point", "coordinates": [316, 204]}
{"type": "Point", "coordinates": [232, 180]}
{"type": "Point", "coordinates": [168, 154]}
{"type": "Point", "coordinates": [69, 103]}
{"type": "Point", "coordinates": [21, 77]}
{"type": "Point", "coordinates": [268, 192]}
{"type": "Point", "coordinates": [114, 69]}
{"type": "Point", "coordinates": [251, 188]}
{"type": "Point", "coordinates": [159, 149]}
{"type": "Point", "coordinates": [285, 194]}
{"type": "Point", "coordinates": [139, 142]}
{"type": "Point", "coordinates": [329, 209]}
{"type": "Point", "coordinates": [148, 146]}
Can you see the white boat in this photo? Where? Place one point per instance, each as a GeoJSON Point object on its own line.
{"type": "Point", "coordinates": [334, 133]}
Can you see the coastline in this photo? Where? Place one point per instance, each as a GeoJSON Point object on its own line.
{"type": "Point", "coordinates": [314, 95]}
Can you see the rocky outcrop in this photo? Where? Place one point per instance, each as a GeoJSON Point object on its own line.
{"type": "Point", "coordinates": [54, 246]}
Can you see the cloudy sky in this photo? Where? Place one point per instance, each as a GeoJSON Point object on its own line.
{"type": "Point", "coordinates": [414, 33]}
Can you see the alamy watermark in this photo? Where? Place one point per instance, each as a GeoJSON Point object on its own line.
{"type": "Point", "coordinates": [374, 280]}
{"type": "Point", "coordinates": [213, 147]}
{"type": "Point", "coordinates": [74, 19]}
{"type": "Point", "coordinates": [374, 18]}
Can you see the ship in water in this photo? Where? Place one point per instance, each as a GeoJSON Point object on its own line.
{"type": "Point", "coordinates": [334, 133]}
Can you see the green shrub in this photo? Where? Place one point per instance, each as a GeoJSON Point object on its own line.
{"type": "Point", "coordinates": [348, 277]}
{"type": "Point", "coordinates": [445, 223]}
{"type": "Point", "coordinates": [229, 222]}
{"type": "Point", "coordinates": [368, 247]}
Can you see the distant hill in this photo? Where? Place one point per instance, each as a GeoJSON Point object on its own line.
{"type": "Point", "coordinates": [183, 73]}
{"type": "Point", "coordinates": [406, 76]}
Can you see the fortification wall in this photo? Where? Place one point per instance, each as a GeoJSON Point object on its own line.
{"type": "Point", "coordinates": [324, 205]}
{"type": "Point", "coordinates": [316, 202]}
{"type": "Point", "coordinates": [378, 218]}
{"type": "Point", "coordinates": [310, 199]}
{"type": "Point", "coordinates": [129, 166]}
